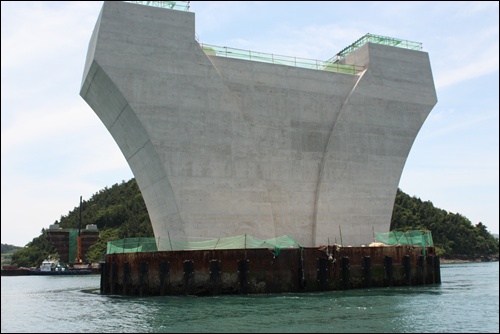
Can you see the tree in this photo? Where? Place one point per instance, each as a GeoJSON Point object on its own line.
{"type": "Point", "coordinates": [39, 249]}
{"type": "Point", "coordinates": [120, 212]}
{"type": "Point", "coordinates": [453, 234]}
{"type": "Point", "coordinates": [98, 250]}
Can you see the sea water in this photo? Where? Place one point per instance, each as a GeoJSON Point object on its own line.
{"type": "Point", "coordinates": [466, 301]}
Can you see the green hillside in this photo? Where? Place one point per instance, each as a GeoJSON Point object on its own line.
{"type": "Point", "coordinates": [120, 212]}
{"type": "Point", "coordinates": [454, 235]}
{"type": "Point", "coordinates": [7, 251]}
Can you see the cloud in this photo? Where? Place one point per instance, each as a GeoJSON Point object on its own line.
{"type": "Point", "coordinates": [36, 31]}
{"type": "Point", "coordinates": [313, 42]}
{"type": "Point", "coordinates": [467, 9]}
{"type": "Point", "coordinates": [480, 62]}
{"type": "Point", "coordinates": [443, 127]}
{"type": "Point", "coordinates": [32, 127]}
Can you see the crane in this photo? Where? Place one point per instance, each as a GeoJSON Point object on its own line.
{"type": "Point", "coordinates": [79, 237]}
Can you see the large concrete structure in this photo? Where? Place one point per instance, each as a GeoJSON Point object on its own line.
{"type": "Point", "coordinates": [222, 147]}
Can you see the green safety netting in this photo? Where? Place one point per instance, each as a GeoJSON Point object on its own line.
{"type": "Point", "coordinates": [134, 245]}
{"type": "Point", "coordinates": [413, 238]}
{"type": "Point", "coordinates": [73, 244]}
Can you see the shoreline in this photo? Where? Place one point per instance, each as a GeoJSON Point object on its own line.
{"type": "Point", "coordinates": [453, 261]}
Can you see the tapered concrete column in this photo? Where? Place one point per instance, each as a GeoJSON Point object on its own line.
{"type": "Point", "coordinates": [223, 147]}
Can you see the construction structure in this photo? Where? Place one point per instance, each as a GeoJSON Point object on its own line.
{"type": "Point", "coordinates": [66, 241]}
{"type": "Point", "coordinates": [226, 142]}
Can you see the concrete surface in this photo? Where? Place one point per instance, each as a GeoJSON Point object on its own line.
{"type": "Point", "coordinates": [222, 147]}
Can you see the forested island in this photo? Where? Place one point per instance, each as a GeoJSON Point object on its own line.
{"type": "Point", "coordinates": [120, 212]}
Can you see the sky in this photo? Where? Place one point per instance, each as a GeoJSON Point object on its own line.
{"type": "Point", "coordinates": [55, 149]}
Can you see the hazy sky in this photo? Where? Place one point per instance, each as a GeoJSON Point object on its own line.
{"type": "Point", "coordinates": [55, 149]}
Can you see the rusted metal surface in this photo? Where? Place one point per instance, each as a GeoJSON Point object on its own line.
{"type": "Point", "coordinates": [254, 271]}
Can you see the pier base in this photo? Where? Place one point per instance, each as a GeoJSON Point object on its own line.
{"type": "Point", "coordinates": [254, 271]}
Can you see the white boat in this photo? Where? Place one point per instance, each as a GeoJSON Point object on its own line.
{"type": "Point", "coordinates": [48, 265]}
{"type": "Point", "coordinates": [53, 267]}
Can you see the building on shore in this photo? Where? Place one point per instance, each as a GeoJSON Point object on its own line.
{"type": "Point", "coordinates": [66, 240]}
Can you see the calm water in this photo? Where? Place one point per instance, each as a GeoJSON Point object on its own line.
{"type": "Point", "coordinates": [466, 301]}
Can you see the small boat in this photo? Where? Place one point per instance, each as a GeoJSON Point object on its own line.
{"type": "Point", "coordinates": [53, 267]}
{"type": "Point", "coordinates": [50, 265]}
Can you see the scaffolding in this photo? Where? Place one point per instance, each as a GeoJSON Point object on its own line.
{"type": "Point", "coordinates": [177, 5]}
{"type": "Point", "coordinates": [376, 39]}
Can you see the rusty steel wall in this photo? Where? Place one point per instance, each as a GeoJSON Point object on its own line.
{"type": "Point", "coordinates": [254, 271]}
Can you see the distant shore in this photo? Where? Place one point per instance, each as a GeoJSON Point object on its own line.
{"type": "Point", "coordinates": [468, 260]}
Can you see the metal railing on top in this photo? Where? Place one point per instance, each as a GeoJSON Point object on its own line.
{"type": "Point", "coordinates": [333, 64]}
{"type": "Point", "coordinates": [278, 59]}
{"type": "Point", "coordinates": [177, 5]}
{"type": "Point", "coordinates": [376, 39]}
